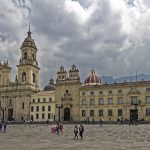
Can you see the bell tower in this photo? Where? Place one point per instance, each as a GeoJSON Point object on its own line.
{"type": "Point", "coordinates": [28, 70]}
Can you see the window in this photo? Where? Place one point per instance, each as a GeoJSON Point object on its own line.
{"type": "Point", "coordinates": [50, 99]}
{"type": "Point", "coordinates": [24, 77]}
{"type": "Point", "coordinates": [110, 92]}
{"type": "Point", "coordinates": [101, 112]}
{"type": "Point", "coordinates": [49, 115]}
{"type": "Point", "coordinates": [110, 112]}
{"type": "Point", "coordinates": [110, 101]}
{"type": "Point", "coordinates": [25, 55]}
{"type": "Point", "coordinates": [83, 93]}
{"type": "Point", "coordinates": [38, 100]}
{"type": "Point", "coordinates": [37, 108]}
{"type": "Point", "coordinates": [43, 108]}
{"type": "Point", "coordinates": [49, 108]}
{"type": "Point", "coordinates": [147, 89]}
{"type": "Point", "coordinates": [37, 116]}
{"type": "Point", "coordinates": [91, 112]}
{"type": "Point", "coordinates": [91, 101]}
{"type": "Point", "coordinates": [32, 108]}
{"type": "Point", "coordinates": [119, 91]}
{"type": "Point", "coordinates": [33, 100]}
{"type": "Point", "coordinates": [147, 111]}
{"type": "Point", "coordinates": [92, 92]}
{"type": "Point", "coordinates": [83, 113]}
{"type": "Point", "coordinates": [22, 105]}
{"type": "Point", "coordinates": [120, 100]}
{"type": "Point", "coordinates": [33, 77]}
{"type": "Point", "coordinates": [100, 92]}
{"type": "Point", "coordinates": [83, 102]}
{"type": "Point", "coordinates": [147, 99]}
{"type": "Point", "coordinates": [44, 100]}
{"type": "Point", "coordinates": [119, 112]}
{"type": "Point", "coordinates": [133, 100]}
{"type": "Point", "coordinates": [101, 101]}
{"type": "Point", "coordinates": [43, 116]}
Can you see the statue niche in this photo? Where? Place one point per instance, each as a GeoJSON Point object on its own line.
{"type": "Point", "coordinates": [67, 96]}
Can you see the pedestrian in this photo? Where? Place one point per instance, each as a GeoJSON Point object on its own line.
{"type": "Point", "coordinates": [75, 132]}
{"type": "Point", "coordinates": [121, 121]}
{"type": "Point", "coordinates": [1, 127]}
{"type": "Point", "coordinates": [101, 122]}
{"type": "Point", "coordinates": [93, 120]}
{"type": "Point", "coordinates": [118, 121]}
{"type": "Point", "coordinates": [61, 126]}
{"type": "Point", "coordinates": [4, 128]}
{"type": "Point", "coordinates": [81, 130]}
{"type": "Point", "coordinates": [57, 127]}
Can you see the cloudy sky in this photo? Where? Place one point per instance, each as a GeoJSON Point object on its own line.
{"type": "Point", "coordinates": [113, 36]}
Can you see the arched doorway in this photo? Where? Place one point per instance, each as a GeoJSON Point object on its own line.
{"type": "Point", "coordinates": [66, 114]}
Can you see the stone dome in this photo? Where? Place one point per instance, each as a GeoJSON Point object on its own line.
{"type": "Point", "coordinates": [50, 86]}
{"type": "Point", "coordinates": [93, 79]}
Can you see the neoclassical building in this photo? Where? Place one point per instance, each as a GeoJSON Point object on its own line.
{"type": "Point", "coordinates": [94, 99]}
{"type": "Point", "coordinates": [15, 95]}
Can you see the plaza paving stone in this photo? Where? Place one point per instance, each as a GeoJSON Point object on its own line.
{"type": "Point", "coordinates": [109, 137]}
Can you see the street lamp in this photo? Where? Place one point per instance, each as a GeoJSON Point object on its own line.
{"type": "Point", "coordinates": [59, 106]}
{"type": "Point", "coordinates": [135, 114]}
{"type": "Point", "coordinates": [3, 111]}
{"type": "Point", "coordinates": [3, 108]}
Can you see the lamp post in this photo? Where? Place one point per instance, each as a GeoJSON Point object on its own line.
{"type": "Point", "coordinates": [59, 106]}
{"type": "Point", "coordinates": [3, 108]}
{"type": "Point", "coordinates": [135, 115]}
{"type": "Point", "coordinates": [3, 112]}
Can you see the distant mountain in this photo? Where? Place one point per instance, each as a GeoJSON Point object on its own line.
{"type": "Point", "coordinates": [139, 77]}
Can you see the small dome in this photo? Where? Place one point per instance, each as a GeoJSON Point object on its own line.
{"type": "Point", "coordinates": [92, 79]}
{"type": "Point", "coordinates": [50, 86]}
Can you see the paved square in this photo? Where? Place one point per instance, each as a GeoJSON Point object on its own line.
{"type": "Point", "coordinates": [109, 137]}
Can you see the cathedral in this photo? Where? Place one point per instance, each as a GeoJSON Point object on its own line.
{"type": "Point", "coordinates": [68, 99]}
{"type": "Point", "coordinates": [15, 96]}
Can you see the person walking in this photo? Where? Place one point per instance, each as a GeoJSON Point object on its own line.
{"type": "Point", "coordinates": [81, 130]}
{"type": "Point", "coordinates": [101, 122]}
{"type": "Point", "coordinates": [4, 128]}
{"type": "Point", "coordinates": [75, 132]}
{"type": "Point", "coordinates": [1, 127]}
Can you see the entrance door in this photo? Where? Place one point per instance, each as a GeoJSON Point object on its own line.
{"type": "Point", "coordinates": [10, 114]}
{"type": "Point", "coordinates": [134, 114]}
{"type": "Point", "coordinates": [66, 114]}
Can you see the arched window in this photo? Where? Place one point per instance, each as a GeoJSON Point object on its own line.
{"type": "Point", "coordinates": [33, 75]}
{"type": "Point", "coordinates": [22, 105]}
{"type": "Point", "coordinates": [25, 55]}
{"type": "Point", "coordinates": [24, 78]}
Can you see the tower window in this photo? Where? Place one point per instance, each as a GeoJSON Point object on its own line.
{"type": "Point", "coordinates": [33, 56]}
{"type": "Point", "coordinates": [33, 75]}
{"type": "Point", "coordinates": [24, 77]}
{"type": "Point", "coordinates": [25, 55]}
